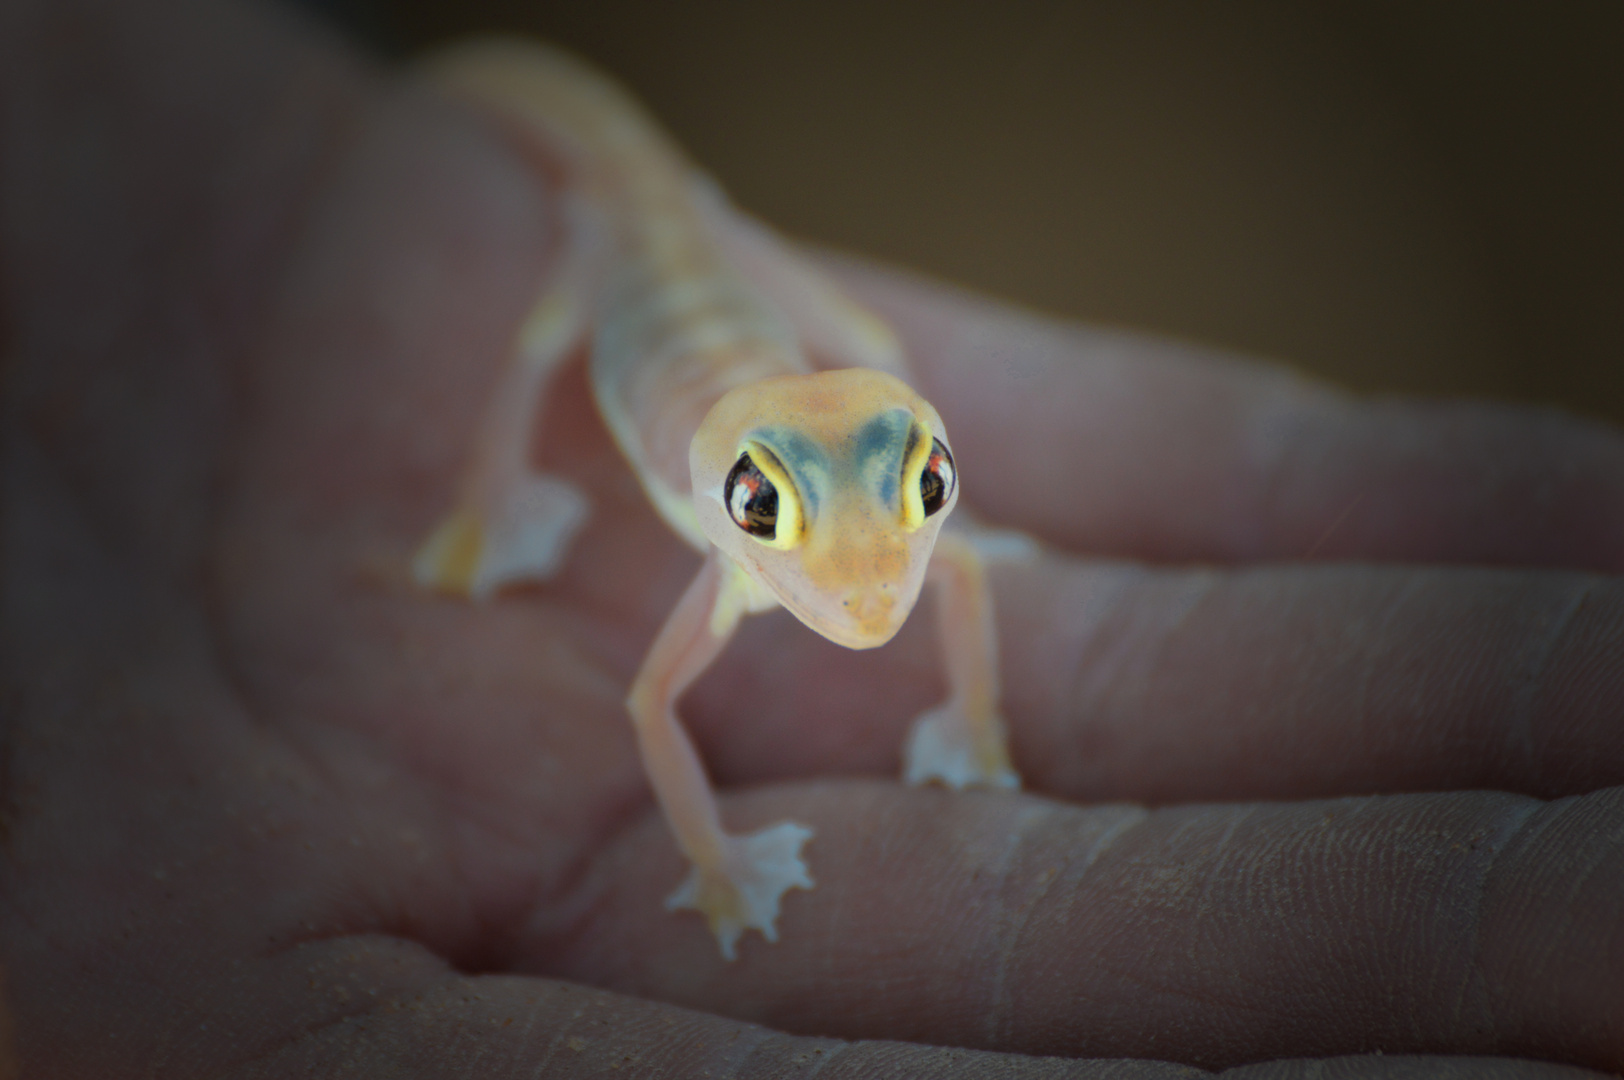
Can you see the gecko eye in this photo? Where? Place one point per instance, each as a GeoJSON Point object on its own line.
{"type": "Point", "coordinates": [761, 498]}
{"type": "Point", "coordinates": [752, 500]}
{"type": "Point", "coordinates": [937, 479]}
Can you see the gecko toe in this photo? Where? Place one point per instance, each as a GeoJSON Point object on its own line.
{"type": "Point", "coordinates": [746, 891]}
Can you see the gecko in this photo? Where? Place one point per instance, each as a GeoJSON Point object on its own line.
{"type": "Point", "coordinates": [770, 420]}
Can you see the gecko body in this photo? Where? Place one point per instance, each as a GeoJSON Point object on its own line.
{"type": "Point", "coordinates": [770, 421]}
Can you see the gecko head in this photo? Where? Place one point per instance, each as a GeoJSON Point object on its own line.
{"type": "Point", "coordinates": [828, 489]}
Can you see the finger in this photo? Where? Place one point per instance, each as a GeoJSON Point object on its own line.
{"type": "Point", "coordinates": [1117, 444]}
{"type": "Point", "coordinates": [379, 1006]}
{"type": "Point", "coordinates": [1395, 1067]}
{"type": "Point", "coordinates": [207, 897]}
{"type": "Point", "coordinates": [1300, 681]}
{"type": "Point", "coordinates": [1124, 682]}
{"type": "Point", "coordinates": [1466, 923]}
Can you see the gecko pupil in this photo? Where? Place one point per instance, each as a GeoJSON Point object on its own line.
{"type": "Point", "coordinates": [752, 501]}
{"type": "Point", "coordinates": [937, 480]}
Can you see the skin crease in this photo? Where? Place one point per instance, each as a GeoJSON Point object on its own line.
{"type": "Point", "coordinates": [269, 811]}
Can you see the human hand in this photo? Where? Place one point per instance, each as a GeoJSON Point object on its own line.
{"type": "Point", "coordinates": [269, 809]}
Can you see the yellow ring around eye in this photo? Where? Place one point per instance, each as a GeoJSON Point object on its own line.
{"type": "Point", "coordinates": [913, 470]}
{"type": "Point", "coordinates": [791, 521]}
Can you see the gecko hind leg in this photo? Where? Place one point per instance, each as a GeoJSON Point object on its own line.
{"type": "Point", "coordinates": [525, 538]}
{"type": "Point", "coordinates": [512, 523]}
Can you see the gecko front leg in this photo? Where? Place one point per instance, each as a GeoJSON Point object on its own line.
{"type": "Point", "coordinates": [962, 742]}
{"type": "Point", "coordinates": [736, 881]}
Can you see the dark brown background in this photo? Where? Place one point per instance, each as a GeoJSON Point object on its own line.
{"type": "Point", "coordinates": [1413, 195]}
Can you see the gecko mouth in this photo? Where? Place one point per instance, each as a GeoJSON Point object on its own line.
{"type": "Point", "coordinates": [864, 619]}
{"type": "Point", "coordinates": [870, 611]}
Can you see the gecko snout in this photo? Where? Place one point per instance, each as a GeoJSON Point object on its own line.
{"type": "Point", "coordinates": [871, 609]}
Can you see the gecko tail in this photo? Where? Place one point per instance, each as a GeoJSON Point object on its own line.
{"type": "Point", "coordinates": [526, 538]}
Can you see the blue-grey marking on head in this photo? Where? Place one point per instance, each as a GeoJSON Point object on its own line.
{"type": "Point", "coordinates": [802, 458]}
{"type": "Point", "coordinates": [879, 449]}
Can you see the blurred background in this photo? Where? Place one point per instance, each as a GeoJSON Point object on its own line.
{"type": "Point", "coordinates": [1401, 195]}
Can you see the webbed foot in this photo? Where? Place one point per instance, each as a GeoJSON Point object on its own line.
{"type": "Point", "coordinates": [944, 746]}
{"type": "Point", "coordinates": [744, 892]}
{"type": "Point", "coordinates": [525, 540]}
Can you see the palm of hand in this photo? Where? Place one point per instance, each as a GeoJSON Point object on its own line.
{"type": "Point", "coordinates": [267, 804]}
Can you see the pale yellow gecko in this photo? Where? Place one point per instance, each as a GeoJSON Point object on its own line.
{"type": "Point", "coordinates": [769, 420]}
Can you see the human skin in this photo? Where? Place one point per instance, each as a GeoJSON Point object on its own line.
{"type": "Point", "coordinates": [1315, 698]}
